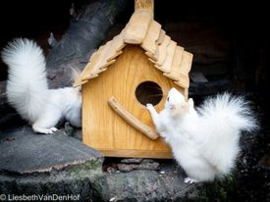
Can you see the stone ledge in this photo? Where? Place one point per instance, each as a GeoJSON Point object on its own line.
{"type": "Point", "coordinates": [61, 165]}
{"type": "Point", "coordinates": [23, 151]}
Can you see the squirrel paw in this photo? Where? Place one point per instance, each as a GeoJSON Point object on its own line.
{"type": "Point", "coordinates": [44, 130]}
{"type": "Point", "coordinates": [149, 106]}
{"type": "Point", "coordinates": [48, 130]}
{"type": "Point", "coordinates": [52, 130]}
{"type": "Point", "coordinates": [189, 180]}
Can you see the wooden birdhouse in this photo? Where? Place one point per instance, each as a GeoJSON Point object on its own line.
{"type": "Point", "coordinates": [138, 66]}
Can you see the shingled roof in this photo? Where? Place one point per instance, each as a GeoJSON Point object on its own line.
{"type": "Point", "coordinates": [143, 30]}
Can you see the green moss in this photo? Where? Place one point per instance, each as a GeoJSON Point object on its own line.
{"type": "Point", "coordinates": [220, 190]}
{"type": "Point", "coordinates": [91, 170]}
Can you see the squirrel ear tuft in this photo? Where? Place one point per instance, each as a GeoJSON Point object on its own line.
{"type": "Point", "coordinates": [190, 103]}
{"type": "Point", "coordinates": [75, 73]}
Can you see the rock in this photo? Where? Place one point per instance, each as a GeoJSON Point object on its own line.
{"type": "Point", "coordinates": [134, 160]}
{"type": "Point", "coordinates": [85, 33]}
{"type": "Point", "coordinates": [41, 153]}
{"type": "Point", "coordinates": [149, 185]}
{"type": "Point", "coordinates": [59, 165]}
{"type": "Point", "coordinates": [46, 164]}
{"type": "Point", "coordinates": [145, 164]}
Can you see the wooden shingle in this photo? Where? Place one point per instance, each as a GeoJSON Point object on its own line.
{"type": "Point", "coordinates": [137, 27]}
{"type": "Point", "coordinates": [149, 42]}
{"type": "Point", "coordinates": [167, 64]}
{"type": "Point", "coordinates": [183, 80]}
{"type": "Point", "coordinates": [177, 60]}
{"type": "Point", "coordinates": [164, 53]}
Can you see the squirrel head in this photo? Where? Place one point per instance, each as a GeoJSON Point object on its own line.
{"type": "Point", "coordinates": [176, 103]}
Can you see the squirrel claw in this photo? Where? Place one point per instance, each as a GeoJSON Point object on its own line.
{"type": "Point", "coordinates": [189, 180]}
{"type": "Point", "coordinates": [52, 130]}
{"type": "Point", "coordinates": [149, 106]}
{"type": "Point", "coordinates": [44, 130]}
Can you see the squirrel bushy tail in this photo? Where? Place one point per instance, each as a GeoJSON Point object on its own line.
{"type": "Point", "coordinates": [227, 110]}
{"type": "Point", "coordinates": [223, 118]}
{"type": "Point", "coordinates": [27, 87]}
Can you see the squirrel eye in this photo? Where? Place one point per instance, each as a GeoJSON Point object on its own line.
{"type": "Point", "coordinates": [168, 99]}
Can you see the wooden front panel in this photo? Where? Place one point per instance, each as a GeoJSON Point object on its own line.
{"type": "Point", "coordinates": [103, 129]}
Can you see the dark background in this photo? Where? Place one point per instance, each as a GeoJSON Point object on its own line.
{"type": "Point", "coordinates": [230, 42]}
{"type": "Point", "coordinates": [244, 26]}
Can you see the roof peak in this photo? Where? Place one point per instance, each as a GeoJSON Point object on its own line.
{"type": "Point", "coordinates": [144, 5]}
{"type": "Point", "coordinates": [172, 60]}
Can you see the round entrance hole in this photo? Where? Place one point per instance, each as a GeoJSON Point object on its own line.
{"type": "Point", "coordinates": [149, 92]}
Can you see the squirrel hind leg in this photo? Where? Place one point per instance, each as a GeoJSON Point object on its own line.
{"type": "Point", "coordinates": [47, 121]}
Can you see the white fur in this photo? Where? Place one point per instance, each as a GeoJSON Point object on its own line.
{"type": "Point", "coordinates": [28, 92]}
{"type": "Point", "coordinates": [204, 141]}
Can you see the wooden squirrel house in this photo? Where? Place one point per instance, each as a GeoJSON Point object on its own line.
{"type": "Point", "coordinates": [138, 66]}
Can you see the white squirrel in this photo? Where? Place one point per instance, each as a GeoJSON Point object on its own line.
{"type": "Point", "coordinates": [28, 91]}
{"type": "Point", "coordinates": [205, 140]}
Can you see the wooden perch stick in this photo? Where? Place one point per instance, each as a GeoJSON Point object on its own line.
{"type": "Point", "coordinates": [130, 119]}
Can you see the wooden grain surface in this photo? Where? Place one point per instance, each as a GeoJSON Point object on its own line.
{"type": "Point", "coordinates": [185, 68]}
{"type": "Point", "coordinates": [103, 129]}
{"type": "Point", "coordinates": [131, 120]}
{"type": "Point", "coordinates": [137, 27]}
{"type": "Point", "coordinates": [167, 64]}
{"type": "Point", "coordinates": [162, 51]}
{"type": "Point", "coordinates": [176, 64]}
{"type": "Point", "coordinates": [144, 4]}
{"type": "Point", "coordinates": [149, 43]}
